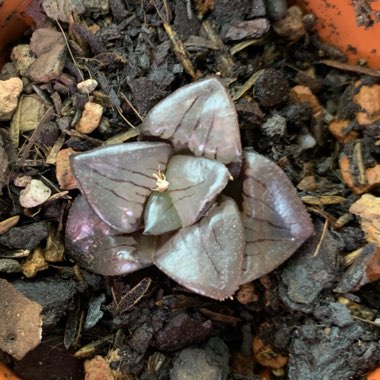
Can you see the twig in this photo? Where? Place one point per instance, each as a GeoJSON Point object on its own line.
{"type": "Point", "coordinates": [322, 238]}
{"type": "Point", "coordinates": [69, 49]}
{"type": "Point", "coordinates": [180, 52]}
{"type": "Point", "coordinates": [349, 67]}
{"type": "Point", "coordinates": [131, 105]}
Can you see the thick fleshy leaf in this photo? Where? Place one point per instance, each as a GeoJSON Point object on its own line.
{"type": "Point", "coordinates": [99, 248]}
{"type": "Point", "coordinates": [160, 215]}
{"type": "Point", "coordinates": [194, 183]}
{"type": "Point", "coordinates": [117, 180]}
{"type": "Point", "coordinates": [275, 219]}
{"type": "Point", "coordinates": [207, 257]}
{"type": "Point", "coordinates": [200, 117]}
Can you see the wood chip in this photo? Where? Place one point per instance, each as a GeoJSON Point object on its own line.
{"type": "Point", "coordinates": [7, 224]}
{"type": "Point", "coordinates": [265, 355]}
{"type": "Point", "coordinates": [368, 209]}
{"type": "Point", "coordinates": [368, 98]}
{"type": "Point", "coordinates": [361, 179]}
{"type": "Point", "coordinates": [34, 264]}
{"type": "Point", "coordinates": [97, 368]}
{"type": "Point", "coordinates": [20, 329]}
{"type": "Point", "coordinates": [64, 173]}
{"type": "Point", "coordinates": [304, 94]}
{"type": "Point", "coordinates": [341, 131]}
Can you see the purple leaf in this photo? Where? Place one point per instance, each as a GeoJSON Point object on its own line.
{"type": "Point", "coordinates": [194, 183]}
{"type": "Point", "coordinates": [275, 219]}
{"type": "Point", "coordinates": [207, 257]}
{"type": "Point", "coordinates": [99, 248]}
{"type": "Point", "coordinates": [199, 117]}
{"type": "Point", "coordinates": [116, 180]}
{"type": "Point", "coordinates": [160, 215]}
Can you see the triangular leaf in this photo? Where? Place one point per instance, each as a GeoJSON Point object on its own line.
{"type": "Point", "coordinates": [99, 248]}
{"type": "Point", "coordinates": [207, 256]}
{"type": "Point", "coordinates": [117, 180]}
{"type": "Point", "coordinates": [200, 117]}
{"type": "Point", "coordinates": [160, 215]}
{"type": "Point", "coordinates": [275, 219]}
{"type": "Point", "coordinates": [194, 183]}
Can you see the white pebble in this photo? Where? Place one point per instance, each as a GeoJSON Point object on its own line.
{"type": "Point", "coordinates": [87, 86]}
{"type": "Point", "coordinates": [34, 194]}
{"type": "Point", "coordinates": [22, 180]}
{"type": "Point", "coordinates": [306, 141]}
{"type": "Point", "coordinates": [274, 126]}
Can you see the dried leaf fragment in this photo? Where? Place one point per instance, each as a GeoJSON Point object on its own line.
{"type": "Point", "coordinates": [34, 264]}
{"type": "Point", "coordinates": [265, 355]}
{"type": "Point", "coordinates": [29, 113]}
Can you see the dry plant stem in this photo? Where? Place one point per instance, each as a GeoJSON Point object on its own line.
{"type": "Point", "coordinates": [200, 42]}
{"type": "Point", "coordinates": [25, 152]}
{"type": "Point", "coordinates": [358, 159]}
{"type": "Point", "coordinates": [122, 137]}
{"type": "Point", "coordinates": [243, 45]}
{"type": "Point", "coordinates": [366, 321]}
{"type": "Point", "coordinates": [322, 238]}
{"type": "Point", "coordinates": [181, 52]}
{"type": "Point", "coordinates": [247, 85]}
{"type": "Point", "coordinates": [323, 214]}
{"type": "Point", "coordinates": [348, 67]}
{"type": "Point", "coordinates": [131, 105]}
{"type": "Point", "coordinates": [89, 349]}
{"type": "Point", "coordinates": [75, 133]}
{"type": "Point", "coordinates": [226, 61]}
{"type": "Point", "coordinates": [68, 48]}
{"type": "Point", "coordinates": [120, 112]}
{"type": "Point", "coordinates": [51, 157]}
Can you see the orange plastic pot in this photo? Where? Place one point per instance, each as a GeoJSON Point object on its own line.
{"type": "Point", "coordinates": [338, 23]}
{"type": "Point", "coordinates": [13, 23]}
{"type": "Point", "coordinates": [6, 373]}
{"type": "Point", "coordinates": [375, 375]}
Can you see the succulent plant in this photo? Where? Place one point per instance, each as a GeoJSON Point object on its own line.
{"type": "Point", "coordinates": [168, 200]}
